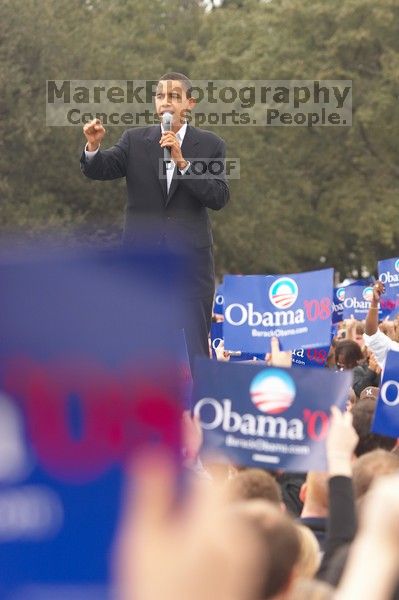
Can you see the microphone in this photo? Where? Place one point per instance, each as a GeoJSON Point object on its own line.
{"type": "Point", "coordinates": [167, 119]}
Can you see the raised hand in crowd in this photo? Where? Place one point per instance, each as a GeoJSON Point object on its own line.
{"type": "Point", "coordinates": [350, 328]}
{"type": "Point", "coordinates": [221, 353]}
{"type": "Point", "coordinates": [372, 568]}
{"type": "Point", "coordinates": [277, 357]}
{"type": "Point", "coordinates": [375, 339]}
{"type": "Point", "coordinates": [372, 363]}
{"type": "Point", "coordinates": [189, 550]}
{"type": "Point", "coordinates": [341, 443]}
{"type": "Point", "coordinates": [192, 436]}
{"type": "Point", "coordinates": [371, 325]}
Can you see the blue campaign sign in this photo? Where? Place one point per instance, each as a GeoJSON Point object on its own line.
{"type": "Point", "coordinates": [386, 417]}
{"type": "Point", "coordinates": [310, 357]}
{"type": "Point", "coordinates": [76, 399]}
{"type": "Point", "coordinates": [388, 273]}
{"type": "Point", "coordinates": [301, 357]}
{"type": "Point", "coordinates": [356, 300]}
{"type": "Point", "coordinates": [217, 338]}
{"type": "Point", "coordinates": [337, 305]}
{"type": "Point", "coordinates": [267, 416]}
{"type": "Point", "coordinates": [352, 300]}
{"type": "Point", "coordinates": [294, 308]}
{"type": "Point", "coordinates": [218, 304]}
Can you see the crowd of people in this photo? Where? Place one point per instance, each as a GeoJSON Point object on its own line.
{"type": "Point", "coordinates": [239, 533]}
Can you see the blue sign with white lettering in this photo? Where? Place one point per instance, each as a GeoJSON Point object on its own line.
{"type": "Point", "coordinates": [310, 357]}
{"type": "Point", "coordinates": [301, 357]}
{"type": "Point", "coordinates": [386, 417]}
{"type": "Point", "coordinates": [294, 308]}
{"type": "Point", "coordinates": [266, 416]}
{"type": "Point", "coordinates": [217, 338]}
{"type": "Point", "coordinates": [337, 306]}
{"type": "Point", "coordinates": [388, 273]}
{"type": "Point", "coordinates": [354, 301]}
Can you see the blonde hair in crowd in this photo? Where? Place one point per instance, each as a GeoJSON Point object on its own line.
{"type": "Point", "coordinates": [309, 555]}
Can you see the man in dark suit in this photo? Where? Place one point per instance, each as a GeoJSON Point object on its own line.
{"type": "Point", "coordinates": [175, 201]}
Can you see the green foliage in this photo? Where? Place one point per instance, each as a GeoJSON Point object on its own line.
{"type": "Point", "coordinates": [304, 193]}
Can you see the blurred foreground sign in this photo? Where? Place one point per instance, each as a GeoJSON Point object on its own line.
{"type": "Point", "coordinates": [77, 397]}
{"type": "Point", "coordinates": [386, 416]}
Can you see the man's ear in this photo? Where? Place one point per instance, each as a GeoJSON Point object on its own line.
{"type": "Point", "coordinates": [302, 492]}
{"type": "Point", "coordinates": [192, 103]}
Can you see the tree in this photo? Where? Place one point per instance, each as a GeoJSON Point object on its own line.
{"type": "Point", "coordinates": [304, 193]}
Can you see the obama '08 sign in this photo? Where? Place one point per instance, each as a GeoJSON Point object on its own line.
{"type": "Point", "coordinates": [294, 308]}
{"type": "Point", "coordinates": [261, 415]}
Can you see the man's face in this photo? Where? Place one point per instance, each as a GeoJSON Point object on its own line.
{"type": "Point", "coordinates": [171, 97]}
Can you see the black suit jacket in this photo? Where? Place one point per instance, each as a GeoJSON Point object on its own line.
{"type": "Point", "coordinates": [178, 216]}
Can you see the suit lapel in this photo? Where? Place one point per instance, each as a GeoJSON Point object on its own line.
{"type": "Point", "coordinates": [156, 155]}
{"type": "Point", "coordinates": [188, 149]}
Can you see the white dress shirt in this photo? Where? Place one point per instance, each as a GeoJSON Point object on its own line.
{"type": "Point", "coordinates": [169, 171]}
{"type": "Point", "coordinates": [380, 344]}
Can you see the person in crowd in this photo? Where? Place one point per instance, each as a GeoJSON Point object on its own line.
{"type": "Point", "coordinates": [354, 331]}
{"type": "Point", "coordinates": [378, 342]}
{"type": "Point", "coordinates": [252, 484]}
{"type": "Point", "coordinates": [351, 399]}
{"type": "Point", "coordinates": [363, 414]}
{"type": "Point", "coordinates": [368, 467]}
{"type": "Point", "coordinates": [348, 354]}
{"type": "Point", "coordinates": [366, 374]}
{"type": "Point", "coordinates": [290, 485]}
{"type": "Point", "coordinates": [165, 194]}
{"type": "Point", "coordinates": [389, 328]}
{"type": "Point", "coordinates": [309, 553]}
{"type": "Point", "coordinates": [366, 371]}
{"type": "Point", "coordinates": [314, 495]}
{"type": "Point", "coordinates": [281, 547]}
{"type": "Point", "coordinates": [195, 548]}
{"type": "Point", "coordinates": [311, 589]}
{"type": "Point", "coordinates": [341, 442]}
{"type": "Point", "coordinates": [372, 566]}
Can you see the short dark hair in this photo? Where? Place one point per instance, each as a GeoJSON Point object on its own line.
{"type": "Point", "coordinates": [348, 353]}
{"type": "Point", "coordinates": [173, 76]}
{"type": "Point", "coordinates": [363, 413]}
{"type": "Point", "coordinates": [254, 484]}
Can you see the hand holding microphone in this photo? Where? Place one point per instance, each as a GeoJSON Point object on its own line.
{"type": "Point", "coordinates": [167, 118]}
{"type": "Point", "coordinates": [170, 143]}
